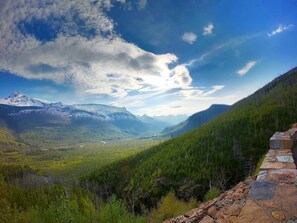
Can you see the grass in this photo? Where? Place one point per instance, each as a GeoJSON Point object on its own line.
{"type": "Point", "coordinates": [74, 161]}
{"type": "Point", "coordinates": [257, 169]}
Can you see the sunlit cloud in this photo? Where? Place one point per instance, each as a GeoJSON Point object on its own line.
{"type": "Point", "coordinates": [208, 30]}
{"type": "Point", "coordinates": [189, 37]}
{"type": "Point", "coordinates": [280, 29]}
{"type": "Point", "coordinates": [246, 68]}
{"type": "Point", "coordinates": [86, 52]}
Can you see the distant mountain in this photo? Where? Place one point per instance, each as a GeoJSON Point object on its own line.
{"type": "Point", "coordinates": [154, 124]}
{"type": "Point", "coordinates": [45, 124]}
{"type": "Point", "coordinates": [18, 99]}
{"type": "Point", "coordinates": [171, 119]}
{"type": "Point", "coordinates": [196, 120]}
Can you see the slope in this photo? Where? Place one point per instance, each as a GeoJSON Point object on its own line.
{"type": "Point", "coordinates": [219, 153]}
{"type": "Point", "coordinates": [196, 120]}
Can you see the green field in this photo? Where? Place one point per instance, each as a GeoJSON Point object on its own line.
{"type": "Point", "coordinates": [74, 161]}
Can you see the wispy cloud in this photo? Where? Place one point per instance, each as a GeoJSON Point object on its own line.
{"type": "Point", "coordinates": [220, 48]}
{"type": "Point", "coordinates": [189, 37]}
{"type": "Point", "coordinates": [280, 29]}
{"type": "Point", "coordinates": [184, 101]}
{"type": "Point", "coordinates": [207, 30]}
{"type": "Point", "coordinates": [246, 68]}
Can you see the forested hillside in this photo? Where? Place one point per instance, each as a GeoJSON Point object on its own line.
{"type": "Point", "coordinates": [218, 154]}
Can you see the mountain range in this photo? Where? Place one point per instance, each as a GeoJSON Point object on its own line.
{"type": "Point", "coordinates": [196, 120]}
{"type": "Point", "coordinates": [46, 124]}
{"type": "Point", "coordinates": [39, 123]}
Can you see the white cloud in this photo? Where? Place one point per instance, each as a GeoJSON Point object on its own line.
{"type": "Point", "coordinates": [184, 101]}
{"type": "Point", "coordinates": [189, 37]}
{"type": "Point", "coordinates": [100, 64]}
{"type": "Point", "coordinates": [219, 49]}
{"type": "Point", "coordinates": [246, 68]}
{"type": "Point", "coordinates": [280, 29]}
{"type": "Point", "coordinates": [207, 30]}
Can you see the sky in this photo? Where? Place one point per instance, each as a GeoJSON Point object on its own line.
{"type": "Point", "coordinates": [164, 57]}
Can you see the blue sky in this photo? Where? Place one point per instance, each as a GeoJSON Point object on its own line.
{"type": "Point", "coordinates": [154, 57]}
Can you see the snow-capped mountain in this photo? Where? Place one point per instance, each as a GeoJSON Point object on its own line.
{"type": "Point", "coordinates": [79, 122]}
{"type": "Point", "coordinates": [77, 111]}
{"type": "Point", "coordinates": [20, 100]}
{"type": "Point", "coordinates": [104, 111]}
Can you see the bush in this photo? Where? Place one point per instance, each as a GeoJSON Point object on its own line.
{"type": "Point", "coordinates": [211, 194]}
{"type": "Point", "coordinates": [115, 212]}
{"type": "Point", "coordinates": [169, 207]}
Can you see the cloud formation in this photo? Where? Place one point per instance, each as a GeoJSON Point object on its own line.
{"type": "Point", "coordinates": [85, 51]}
{"type": "Point", "coordinates": [280, 29]}
{"type": "Point", "coordinates": [246, 68]}
{"type": "Point", "coordinates": [189, 37]}
{"type": "Point", "coordinates": [207, 30]}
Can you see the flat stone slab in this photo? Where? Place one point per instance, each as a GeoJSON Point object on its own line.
{"type": "Point", "coordinates": [262, 190]}
{"type": "Point", "coordinates": [270, 159]}
{"type": "Point", "coordinates": [253, 213]}
{"type": "Point", "coordinates": [282, 175]}
{"type": "Point", "coordinates": [262, 175]}
{"type": "Point", "coordinates": [272, 165]}
{"type": "Point", "coordinates": [285, 152]}
{"type": "Point", "coordinates": [285, 159]}
{"type": "Point", "coordinates": [281, 140]}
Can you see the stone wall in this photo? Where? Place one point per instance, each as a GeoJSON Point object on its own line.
{"type": "Point", "coordinates": [271, 197]}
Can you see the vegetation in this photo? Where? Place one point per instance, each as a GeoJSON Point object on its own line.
{"type": "Point", "coordinates": [218, 154]}
{"type": "Point", "coordinates": [170, 206]}
{"type": "Point", "coordinates": [212, 193]}
{"type": "Point", "coordinates": [72, 161]}
{"type": "Point", "coordinates": [28, 202]}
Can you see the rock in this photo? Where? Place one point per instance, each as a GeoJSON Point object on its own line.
{"type": "Point", "coordinates": [271, 204]}
{"type": "Point", "coordinates": [235, 209]}
{"type": "Point", "coordinates": [272, 166]}
{"type": "Point", "coordinates": [278, 215]}
{"type": "Point", "coordinates": [287, 195]}
{"type": "Point", "coordinates": [262, 190]}
{"type": "Point", "coordinates": [285, 159]}
{"type": "Point", "coordinates": [281, 140]}
{"type": "Point", "coordinates": [233, 219]}
{"type": "Point", "coordinates": [238, 196]}
{"type": "Point", "coordinates": [212, 211]}
{"type": "Point", "coordinates": [282, 175]}
{"type": "Point", "coordinates": [207, 219]}
{"type": "Point", "coordinates": [253, 213]}
{"type": "Point", "coordinates": [292, 166]}
{"type": "Point", "coordinates": [221, 220]}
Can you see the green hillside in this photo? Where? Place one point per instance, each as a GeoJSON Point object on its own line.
{"type": "Point", "coordinates": [8, 142]}
{"type": "Point", "coordinates": [219, 153]}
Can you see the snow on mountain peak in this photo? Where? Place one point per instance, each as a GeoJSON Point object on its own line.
{"type": "Point", "coordinates": [19, 99]}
